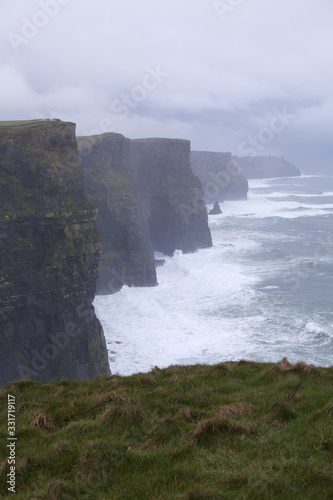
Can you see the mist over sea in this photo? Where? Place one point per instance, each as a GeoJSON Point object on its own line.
{"type": "Point", "coordinates": [264, 291]}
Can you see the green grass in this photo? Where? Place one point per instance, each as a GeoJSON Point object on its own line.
{"type": "Point", "coordinates": [231, 431]}
{"type": "Point", "coordinates": [15, 123]}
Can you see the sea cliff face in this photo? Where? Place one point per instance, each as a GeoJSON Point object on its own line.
{"type": "Point", "coordinates": [221, 177]}
{"type": "Point", "coordinates": [173, 196]}
{"type": "Point", "coordinates": [148, 199]}
{"type": "Point", "coordinates": [49, 251]}
{"type": "Point", "coordinates": [127, 256]}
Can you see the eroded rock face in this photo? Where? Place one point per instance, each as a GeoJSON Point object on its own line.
{"type": "Point", "coordinates": [172, 195]}
{"type": "Point", "coordinates": [49, 252]}
{"type": "Point", "coordinates": [148, 199]}
{"type": "Point", "coordinates": [216, 210]}
{"type": "Point", "coordinates": [221, 176]}
{"type": "Point", "coordinates": [127, 255]}
{"type": "Point", "coordinates": [261, 167]}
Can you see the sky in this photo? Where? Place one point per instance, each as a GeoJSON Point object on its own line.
{"type": "Point", "coordinates": [254, 77]}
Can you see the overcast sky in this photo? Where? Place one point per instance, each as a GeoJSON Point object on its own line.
{"type": "Point", "coordinates": [253, 77]}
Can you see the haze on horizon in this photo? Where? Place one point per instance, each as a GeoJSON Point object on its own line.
{"type": "Point", "coordinates": [229, 75]}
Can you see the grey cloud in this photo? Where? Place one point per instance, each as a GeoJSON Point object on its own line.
{"type": "Point", "coordinates": [225, 75]}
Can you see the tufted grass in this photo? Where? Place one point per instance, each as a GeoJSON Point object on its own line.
{"type": "Point", "coordinates": [237, 430]}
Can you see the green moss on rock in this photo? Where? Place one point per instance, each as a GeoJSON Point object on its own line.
{"type": "Point", "coordinates": [49, 251]}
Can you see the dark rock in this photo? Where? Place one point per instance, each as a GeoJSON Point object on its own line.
{"type": "Point", "coordinates": [148, 199]}
{"type": "Point", "coordinates": [220, 176]}
{"type": "Point", "coordinates": [48, 258]}
{"type": "Point", "coordinates": [171, 194]}
{"type": "Point", "coordinates": [216, 209]}
{"type": "Point", "coordinates": [159, 262]}
{"type": "Point", "coordinates": [262, 167]}
{"type": "Point", "coordinates": [127, 256]}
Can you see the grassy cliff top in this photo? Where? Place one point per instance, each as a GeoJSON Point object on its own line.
{"type": "Point", "coordinates": [99, 136]}
{"type": "Point", "coordinates": [19, 123]}
{"type": "Point", "coordinates": [152, 140]}
{"type": "Point", "coordinates": [235, 430]}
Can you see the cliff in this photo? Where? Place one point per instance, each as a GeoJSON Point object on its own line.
{"type": "Point", "coordinates": [148, 199]}
{"type": "Point", "coordinates": [127, 256]}
{"type": "Point", "coordinates": [173, 196]}
{"type": "Point", "coordinates": [261, 167]}
{"type": "Point", "coordinates": [49, 251]}
{"type": "Point", "coordinates": [220, 176]}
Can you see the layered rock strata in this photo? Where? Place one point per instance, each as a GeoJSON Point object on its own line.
{"type": "Point", "coordinates": [127, 255]}
{"type": "Point", "coordinates": [148, 199]}
{"type": "Point", "coordinates": [172, 195]}
{"type": "Point", "coordinates": [49, 252]}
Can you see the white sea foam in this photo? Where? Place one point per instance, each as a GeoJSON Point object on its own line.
{"type": "Point", "coordinates": [214, 305]}
{"type": "Point", "coordinates": [261, 205]}
{"type": "Point", "coordinates": [180, 319]}
{"type": "Point", "coordinates": [313, 327]}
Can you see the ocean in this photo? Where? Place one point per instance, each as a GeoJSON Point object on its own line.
{"type": "Point", "coordinates": [264, 291]}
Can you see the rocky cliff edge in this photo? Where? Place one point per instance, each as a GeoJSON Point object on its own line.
{"type": "Point", "coordinates": [127, 256]}
{"type": "Point", "coordinates": [148, 199]}
{"type": "Point", "coordinates": [49, 251]}
{"type": "Point", "coordinates": [173, 195]}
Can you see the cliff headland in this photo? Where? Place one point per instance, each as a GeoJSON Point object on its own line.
{"type": "Point", "coordinates": [148, 199]}
{"type": "Point", "coordinates": [263, 167]}
{"type": "Point", "coordinates": [221, 178]}
{"type": "Point", "coordinates": [49, 252]}
{"type": "Point", "coordinates": [224, 176]}
{"type": "Point", "coordinates": [127, 256]}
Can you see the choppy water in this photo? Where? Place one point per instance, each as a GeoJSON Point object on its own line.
{"type": "Point", "coordinates": [264, 291]}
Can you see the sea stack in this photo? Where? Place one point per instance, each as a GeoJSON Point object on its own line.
{"type": "Point", "coordinates": [216, 210]}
